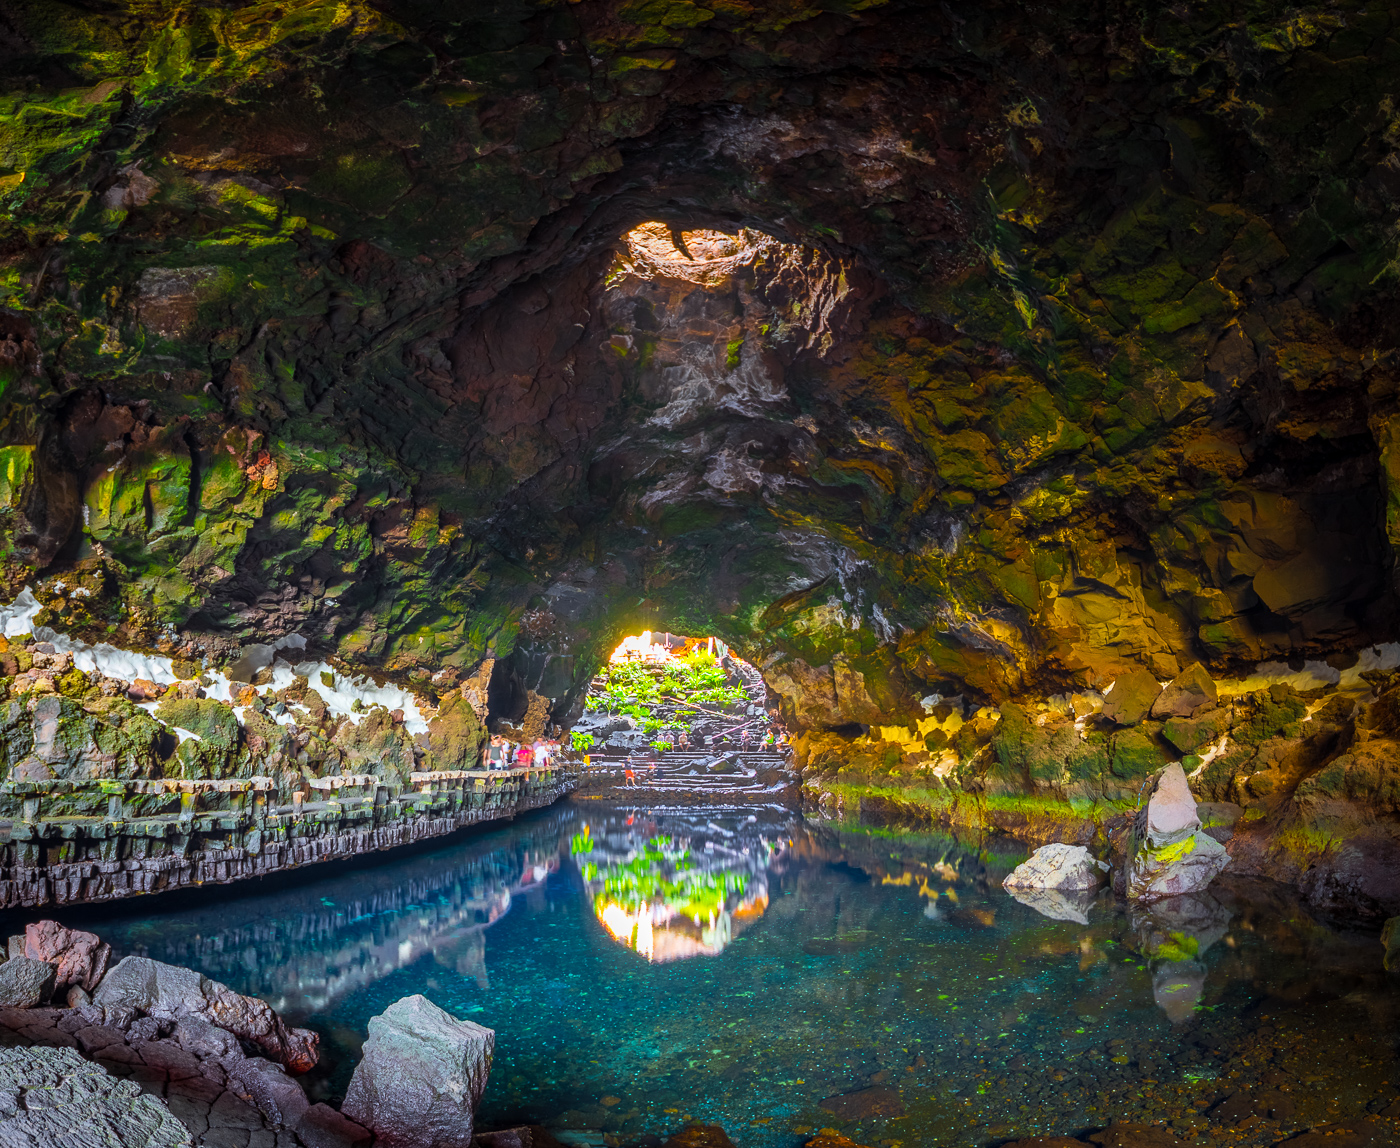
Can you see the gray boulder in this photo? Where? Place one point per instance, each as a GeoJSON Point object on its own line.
{"type": "Point", "coordinates": [421, 1077]}
{"type": "Point", "coordinates": [25, 983]}
{"type": "Point", "coordinates": [139, 986]}
{"type": "Point", "coordinates": [274, 1093]}
{"type": "Point", "coordinates": [1171, 855]}
{"type": "Point", "coordinates": [1058, 866]}
{"type": "Point", "coordinates": [53, 1098]}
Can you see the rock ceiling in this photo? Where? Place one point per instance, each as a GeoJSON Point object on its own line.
{"type": "Point", "coordinates": [913, 348]}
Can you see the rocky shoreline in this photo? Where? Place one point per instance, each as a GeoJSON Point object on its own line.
{"type": "Point", "coordinates": [1293, 770]}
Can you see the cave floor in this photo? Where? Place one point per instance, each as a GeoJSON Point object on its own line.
{"type": "Point", "coordinates": [648, 963]}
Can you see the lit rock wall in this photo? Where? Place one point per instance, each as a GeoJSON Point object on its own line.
{"type": "Point", "coordinates": [1065, 352]}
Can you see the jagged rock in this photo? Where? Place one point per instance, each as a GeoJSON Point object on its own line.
{"type": "Point", "coordinates": [25, 983]}
{"type": "Point", "coordinates": [421, 1076]}
{"type": "Point", "coordinates": [53, 1098]}
{"type": "Point", "coordinates": [197, 1035]}
{"type": "Point", "coordinates": [1191, 692]}
{"type": "Point", "coordinates": [1058, 866]}
{"type": "Point", "coordinates": [1131, 698]}
{"type": "Point", "coordinates": [80, 958]}
{"type": "Point", "coordinates": [273, 1092]}
{"type": "Point", "coordinates": [138, 985]}
{"type": "Point", "coordinates": [1172, 855]}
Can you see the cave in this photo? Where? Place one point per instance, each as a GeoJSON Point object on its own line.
{"type": "Point", "coordinates": [1010, 389]}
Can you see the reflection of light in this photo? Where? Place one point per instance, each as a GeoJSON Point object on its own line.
{"type": "Point", "coordinates": [618, 922]}
{"type": "Point", "coordinates": [639, 646]}
{"type": "Point", "coordinates": [753, 908]}
{"type": "Point", "coordinates": [633, 931]}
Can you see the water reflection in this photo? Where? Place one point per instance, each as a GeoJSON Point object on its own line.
{"type": "Point", "coordinates": [1174, 936]}
{"type": "Point", "coordinates": [687, 892]}
{"type": "Point", "coordinates": [839, 964]}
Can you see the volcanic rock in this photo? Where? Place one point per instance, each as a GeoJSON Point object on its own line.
{"type": "Point", "coordinates": [1058, 866]}
{"type": "Point", "coordinates": [1131, 698]}
{"type": "Point", "coordinates": [1172, 855]}
{"type": "Point", "coordinates": [25, 983]}
{"type": "Point", "coordinates": [1191, 692]}
{"type": "Point", "coordinates": [140, 986]}
{"type": "Point", "coordinates": [53, 1098]}
{"type": "Point", "coordinates": [80, 958]}
{"type": "Point", "coordinates": [421, 1076]}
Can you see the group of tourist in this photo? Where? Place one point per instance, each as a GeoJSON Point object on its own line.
{"type": "Point", "coordinates": [501, 753]}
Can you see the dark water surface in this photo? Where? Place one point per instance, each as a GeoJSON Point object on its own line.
{"type": "Point", "coordinates": [767, 965]}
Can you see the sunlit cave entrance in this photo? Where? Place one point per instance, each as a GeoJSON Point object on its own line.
{"type": "Point", "coordinates": [676, 697]}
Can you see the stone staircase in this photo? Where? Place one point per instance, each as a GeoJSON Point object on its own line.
{"type": "Point", "coordinates": [694, 776]}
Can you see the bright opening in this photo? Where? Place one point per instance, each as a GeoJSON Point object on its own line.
{"type": "Point", "coordinates": [665, 694]}
{"type": "Point", "coordinates": [706, 257]}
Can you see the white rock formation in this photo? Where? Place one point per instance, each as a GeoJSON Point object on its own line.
{"type": "Point", "coordinates": [1171, 855]}
{"type": "Point", "coordinates": [1058, 866]}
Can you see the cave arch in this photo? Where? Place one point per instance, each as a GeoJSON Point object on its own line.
{"type": "Point", "coordinates": [1096, 395]}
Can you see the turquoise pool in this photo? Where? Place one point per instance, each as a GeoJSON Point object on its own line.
{"type": "Point", "coordinates": [643, 968]}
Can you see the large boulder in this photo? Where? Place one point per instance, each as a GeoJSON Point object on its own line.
{"type": "Point", "coordinates": [1058, 866]}
{"type": "Point", "coordinates": [53, 1098]}
{"type": "Point", "coordinates": [1189, 693]}
{"type": "Point", "coordinates": [1171, 855]}
{"type": "Point", "coordinates": [139, 986]}
{"type": "Point", "coordinates": [421, 1076]}
{"type": "Point", "coordinates": [80, 958]}
{"type": "Point", "coordinates": [25, 983]}
{"type": "Point", "coordinates": [1131, 697]}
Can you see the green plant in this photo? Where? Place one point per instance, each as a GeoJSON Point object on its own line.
{"type": "Point", "coordinates": [661, 746]}
{"type": "Point", "coordinates": [582, 742]}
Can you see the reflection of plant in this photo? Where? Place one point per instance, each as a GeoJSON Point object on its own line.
{"type": "Point", "coordinates": [662, 873]}
{"type": "Point", "coordinates": [582, 742]}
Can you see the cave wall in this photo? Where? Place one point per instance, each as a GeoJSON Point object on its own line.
{"type": "Point", "coordinates": [1068, 348]}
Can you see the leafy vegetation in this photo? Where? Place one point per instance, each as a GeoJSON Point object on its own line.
{"type": "Point", "coordinates": [693, 685]}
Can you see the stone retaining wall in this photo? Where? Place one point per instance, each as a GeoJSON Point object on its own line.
{"type": "Point", "coordinates": [69, 842]}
